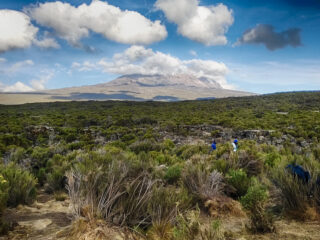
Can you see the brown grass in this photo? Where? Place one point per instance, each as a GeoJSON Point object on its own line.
{"type": "Point", "coordinates": [223, 206]}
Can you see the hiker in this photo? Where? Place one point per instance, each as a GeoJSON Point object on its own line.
{"type": "Point", "coordinates": [235, 144]}
{"type": "Point", "coordinates": [213, 146]}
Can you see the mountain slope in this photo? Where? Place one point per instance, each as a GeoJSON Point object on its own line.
{"type": "Point", "coordinates": [135, 87]}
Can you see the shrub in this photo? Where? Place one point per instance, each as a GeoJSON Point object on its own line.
{"type": "Point", "coordinates": [22, 185]}
{"type": "Point", "coordinates": [173, 174]}
{"type": "Point", "coordinates": [163, 208]}
{"type": "Point", "coordinates": [168, 144]}
{"type": "Point", "coordinates": [144, 146]}
{"type": "Point", "coordinates": [115, 190]}
{"type": "Point", "coordinates": [239, 180]}
{"type": "Point", "coordinates": [294, 193]}
{"type": "Point", "coordinates": [254, 202]}
{"type": "Point", "coordinates": [272, 159]}
{"type": "Point", "coordinates": [4, 188]}
{"type": "Point", "coordinates": [202, 183]}
{"type": "Point", "coordinates": [190, 227]}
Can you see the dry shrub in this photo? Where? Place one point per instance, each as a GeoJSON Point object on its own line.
{"type": "Point", "coordinates": [294, 194]}
{"type": "Point", "coordinates": [112, 192]}
{"type": "Point", "coordinates": [223, 205]}
{"type": "Point", "coordinates": [201, 183]}
{"type": "Point", "coordinates": [250, 163]}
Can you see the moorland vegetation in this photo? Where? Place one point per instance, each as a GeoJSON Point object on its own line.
{"type": "Point", "coordinates": [126, 164]}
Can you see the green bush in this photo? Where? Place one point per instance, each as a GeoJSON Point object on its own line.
{"type": "Point", "coordinates": [4, 193]}
{"type": "Point", "coordinates": [272, 159]}
{"type": "Point", "coordinates": [239, 180]}
{"type": "Point", "coordinates": [254, 202]}
{"type": "Point", "coordinates": [144, 146]}
{"type": "Point", "coordinates": [173, 174]}
{"type": "Point", "coordinates": [22, 185]}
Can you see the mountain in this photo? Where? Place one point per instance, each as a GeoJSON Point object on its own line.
{"type": "Point", "coordinates": [136, 87]}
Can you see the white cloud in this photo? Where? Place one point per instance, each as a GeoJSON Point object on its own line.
{"type": "Point", "coordinates": [16, 30]}
{"type": "Point", "coordinates": [17, 87]}
{"type": "Point", "coordinates": [46, 42]}
{"type": "Point", "coordinates": [2, 60]}
{"type": "Point", "coordinates": [74, 23]}
{"type": "Point", "coordinates": [204, 24]}
{"type": "Point", "coordinates": [39, 84]}
{"type": "Point", "coordinates": [18, 66]}
{"type": "Point", "coordinates": [141, 60]}
{"type": "Point", "coordinates": [193, 53]}
{"type": "Point", "coordinates": [84, 67]}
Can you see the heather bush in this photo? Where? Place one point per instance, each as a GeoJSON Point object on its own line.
{"type": "Point", "coordinates": [239, 181]}
{"type": "Point", "coordinates": [255, 203]}
{"type": "Point", "coordinates": [173, 174]}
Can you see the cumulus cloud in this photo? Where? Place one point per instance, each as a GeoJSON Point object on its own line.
{"type": "Point", "coordinates": [204, 24]}
{"type": "Point", "coordinates": [17, 87]}
{"type": "Point", "coordinates": [141, 60]}
{"type": "Point", "coordinates": [46, 41]}
{"type": "Point", "coordinates": [17, 31]}
{"type": "Point", "coordinates": [74, 23]}
{"type": "Point", "coordinates": [265, 34]}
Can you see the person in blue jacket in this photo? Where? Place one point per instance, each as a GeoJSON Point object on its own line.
{"type": "Point", "coordinates": [213, 146]}
{"type": "Point", "coordinates": [235, 144]}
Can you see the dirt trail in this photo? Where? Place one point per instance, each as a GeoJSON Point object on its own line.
{"type": "Point", "coordinates": [285, 230]}
{"type": "Point", "coordinates": [40, 221]}
{"type": "Point", "coordinates": [47, 217]}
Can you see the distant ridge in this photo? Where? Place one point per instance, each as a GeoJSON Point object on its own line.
{"type": "Point", "coordinates": [132, 87]}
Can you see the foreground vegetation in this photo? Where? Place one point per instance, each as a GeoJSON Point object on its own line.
{"type": "Point", "coordinates": [129, 164]}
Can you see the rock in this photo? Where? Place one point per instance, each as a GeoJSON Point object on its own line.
{"type": "Point", "coordinates": [304, 144]}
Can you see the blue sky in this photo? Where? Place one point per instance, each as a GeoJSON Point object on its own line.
{"type": "Point", "coordinates": [258, 46]}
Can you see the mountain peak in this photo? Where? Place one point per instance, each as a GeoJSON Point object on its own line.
{"type": "Point", "coordinates": [181, 80]}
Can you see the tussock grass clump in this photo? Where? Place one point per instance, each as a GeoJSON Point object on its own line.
{"type": "Point", "coordinates": [297, 196]}
{"type": "Point", "coordinates": [189, 226]}
{"type": "Point", "coordinates": [202, 183]}
{"type": "Point", "coordinates": [115, 191]}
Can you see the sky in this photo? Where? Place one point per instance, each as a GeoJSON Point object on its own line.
{"type": "Point", "coordinates": [252, 45]}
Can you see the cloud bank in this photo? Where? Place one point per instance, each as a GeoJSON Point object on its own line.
{"type": "Point", "coordinates": [74, 23]}
{"type": "Point", "coordinates": [141, 60]}
{"type": "Point", "coordinates": [204, 24]}
{"type": "Point", "coordinates": [265, 34]}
